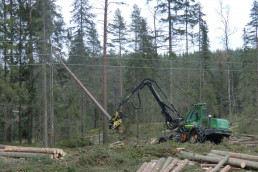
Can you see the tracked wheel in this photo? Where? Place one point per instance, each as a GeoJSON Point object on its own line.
{"type": "Point", "coordinates": [197, 135]}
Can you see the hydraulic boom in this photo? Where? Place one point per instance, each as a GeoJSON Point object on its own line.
{"type": "Point", "coordinates": [172, 117]}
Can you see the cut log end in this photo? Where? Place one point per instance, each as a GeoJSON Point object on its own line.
{"type": "Point", "coordinates": [242, 164]}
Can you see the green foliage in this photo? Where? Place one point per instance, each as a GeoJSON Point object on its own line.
{"type": "Point", "coordinates": [75, 142]}
{"type": "Point", "coordinates": [197, 77]}
{"type": "Point", "coordinates": [71, 168]}
{"type": "Point", "coordinates": [118, 30]}
{"type": "Point", "coordinates": [252, 25]}
{"type": "Point", "coordinates": [42, 160]}
{"type": "Point", "coordinates": [96, 157]}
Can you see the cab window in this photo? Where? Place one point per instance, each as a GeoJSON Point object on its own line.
{"type": "Point", "coordinates": [194, 116]}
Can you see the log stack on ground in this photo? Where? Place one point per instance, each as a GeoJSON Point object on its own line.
{"type": "Point", "coordinates": [31, 152]}
{"type": "Point", "coordinates": [220, 159]}
{"type": "Point", "coordinates": [163, 165]}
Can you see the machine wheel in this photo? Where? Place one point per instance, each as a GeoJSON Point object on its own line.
{"type": "Point", "coordinates": [197, 135]}
{"type": "Point", "coordinates": [163, 139]}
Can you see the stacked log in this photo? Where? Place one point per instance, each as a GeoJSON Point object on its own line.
{"type": "Point", "coordinates": [229, 160]}
{"type": "Point", "coordinates": [31, 152]}
{"type": "Point", "coordinates": [163, 165]}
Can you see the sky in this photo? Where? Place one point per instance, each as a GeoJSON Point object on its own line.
{"type": "Point", "coordinates": [238, 17]}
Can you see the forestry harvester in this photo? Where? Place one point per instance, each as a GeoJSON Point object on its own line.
{"type": "Point", "coordinates": [197, 126]}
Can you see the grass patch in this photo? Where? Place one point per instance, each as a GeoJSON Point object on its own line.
{"type": "Point", "coordinates": [83, 156]}
{"type": "Point", "coordinates": [75, 143]}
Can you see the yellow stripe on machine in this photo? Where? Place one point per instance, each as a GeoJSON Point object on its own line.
{"type": "Point", "coordinates": [189, 125]}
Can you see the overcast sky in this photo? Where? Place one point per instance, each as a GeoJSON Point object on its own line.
{"type": "Point", "coordinates": [238, 17]}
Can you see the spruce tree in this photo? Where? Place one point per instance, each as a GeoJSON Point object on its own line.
{"type": "Point", "coordinates": [118, 30]}
{"type": "Point", "coordinates": [253, 25]}
{"type": "Point", "coordinates": [135, 26]}
{"type": "Point", "coordinates": [144, 49]}
{"type": "Point", "coordinates": [248, 77]}
{"type": "Point", "coordinates": [82, 19]}
{"type": "Point", "coordinates": [93, 42]}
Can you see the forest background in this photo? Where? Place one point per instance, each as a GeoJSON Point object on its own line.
{"type": "Point", "coordinates": [40, 101]}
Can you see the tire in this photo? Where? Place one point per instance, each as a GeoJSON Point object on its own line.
{"type": "Point", "coordinates": [163, 139]}
{"type": "Point", "coordinates": [174, 136]}
{"type": "Point", "coordinates": [197, 135]}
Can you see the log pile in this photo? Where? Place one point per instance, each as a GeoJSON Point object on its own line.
{"type": "Point", "coordinates": [222, 160]}
{"type": "Point", "coordinates": [31, 152]}
{"type": "Point", "coordinates": [164, 165]}
{"type": "Point", "coordinates": [247, 140]}
{"type": "Point", "coordinates": [214, 161]}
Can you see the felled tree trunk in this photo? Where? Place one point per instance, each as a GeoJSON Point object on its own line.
{"type": "Point", "coordinates": [231, 161]}
{"type": "Point", "coordinates": [25, 155]}
{"type": "Point", "coordinates": [236, 155]}
{"type": "Point", "coordinates": [31, 150]}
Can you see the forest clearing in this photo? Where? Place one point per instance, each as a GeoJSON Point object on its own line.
{"type": "Point", "coordinates": [146, 94]}
{"type": "Point", "coordinates": [129, 155]}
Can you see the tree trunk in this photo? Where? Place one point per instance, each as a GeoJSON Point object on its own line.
{"type": "Point", "coordinates": [231, 161]}
{"type": "Point", "coordinates": [170, 80]}
{"type": "Point", "coordinates": [229, 94]}
{"type": "Point", "coordinates": [159, 164]}
{"type": "Point", "coordinates": [236, 155]}
{"type": "Point", "coordinates": [44, 84]}
{"type": "Point", "coordinates": [51, 106]}
{"type": "Point", "coordinates": [121, 71]}
{"type": "Point", "coordinates": [5, 129]}
{"type": "Point", "coordinates": [137, 123]}
{"type": "Point", "coordinates": [220, 164]}
{"type": "Point", "coordinates": [142, 167]}
{"type": "Point", "coordinates": [225, 169]}
{"type": "Point", "coordinates": [169, 30]}
{"type": "Point", "coordinates": [171, 165]}
{"type": "Point", "coordinates": [25, 155]}
{"type": "Point", "coordinates": [105, 73]}
{"type": "Point", "coordinates": [181, 166]}
{"type": "Point", "coordinates": [256, 41]}
{"type": "Point", "coordinates": [186, 32]}
{"type": "Point", "coordinates": [82, 86]}
{"type": "Point", "coordinates": [32, 150]}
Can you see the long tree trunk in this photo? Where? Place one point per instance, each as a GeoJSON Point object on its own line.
{"type": "Point", "coordinates": [44, 79]}
{"type": "Point", "coordinates": [186, 31]}
{"type": "Point", "coordinates": [5, 73]}
{"type": "Point", "coordinates": [229, 94]}
{"type": "Point", "coordinates": [51, 106]}
{"type": "Point", "coordinates": [105, 73]}
{"type": "Point", "coordinates": [170, 80]}
{"type": "Point", "coordinates": [170, 51]}
{"type": "Point", "coordinates": [231, 161]}
{"type": "Point", "coordinates": [200, 65]}
{"type": "Point", "coordinates": [20, 81]}
{"type": "Point", "coordinates": [121, 71]}
{"type": "Point", "coordinates": [31, 75]}
{"type": "Point", "coordinates": [5, 127]}
{"type": "Point", "coordinates": [169, 30]}
{"type": "Point", "coordinates": [5, 36]}
{"type": "Point", "coordinates": [256, 41]}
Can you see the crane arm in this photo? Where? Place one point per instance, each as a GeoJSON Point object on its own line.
{"type": "Point", "coordinates": [166, 109]}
